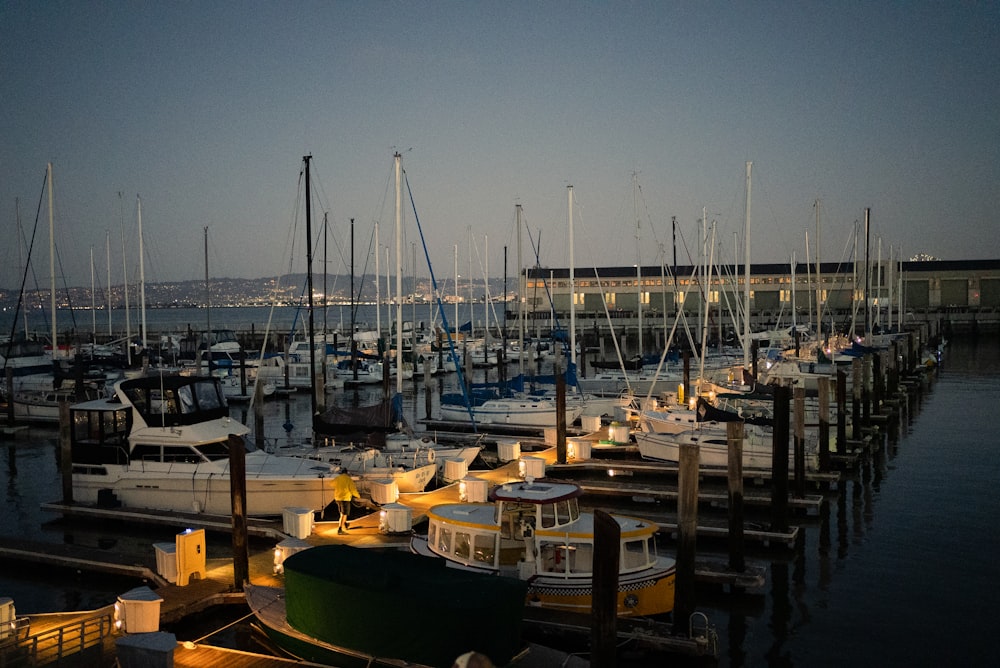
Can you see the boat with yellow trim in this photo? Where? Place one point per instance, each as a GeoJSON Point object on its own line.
{"type": "Point", "coordinates": [534, 530]}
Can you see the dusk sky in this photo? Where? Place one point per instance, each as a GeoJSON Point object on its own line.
{"type": "Point", "coordinates": [205, 110]}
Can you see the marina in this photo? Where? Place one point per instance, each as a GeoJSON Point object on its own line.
{"type": "Point", "coordinates": [835, 489]}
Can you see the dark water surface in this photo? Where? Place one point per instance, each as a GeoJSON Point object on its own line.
{"type": "Point", "coordinates": [900, 568]}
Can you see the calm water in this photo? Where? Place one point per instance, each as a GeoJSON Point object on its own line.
{"type": "Point", "coordinates": [899, 569]}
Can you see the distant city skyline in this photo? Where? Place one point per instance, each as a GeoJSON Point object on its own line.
{"type": "Point", "coordinates": [649, 110]}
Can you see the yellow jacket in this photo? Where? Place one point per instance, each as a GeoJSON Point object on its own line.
{"type": "Point", "coordinates": [344, 488]}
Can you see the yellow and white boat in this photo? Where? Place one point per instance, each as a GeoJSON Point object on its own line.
{"type": "Point", "coordinates": [534, 531]}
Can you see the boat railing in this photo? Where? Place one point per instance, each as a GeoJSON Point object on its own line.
{"type": "Point", "coordinates": [88, 640]}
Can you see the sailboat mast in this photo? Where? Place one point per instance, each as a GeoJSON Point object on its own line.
{"type": "Point", "coordinates": [128, 322]}
{"type": "Point", "coordinates": [399, 275]}
{"type": "Point", "coordinates": [378, 294]}
{"type": "Point", "coordinates": [52, 266]}
{"type": "Point", "coordinates": [93, 298]}
{"type": "Point", "coordinates": [819, 287]}
{"type": "Point", "coordinates": [746, 275]}
{"type": "Point", "coordinates": [638, 255]}
{"type": "Point", "coordinates": [521, 282]}
{"type": "Point", "coordinates": [572, 284]}
{"type": "Point", "coordinates": [868, 281]}
{"type": "Point", "coordinates": [107, 244]}
{"type": "Point", "coordinates": [309, 282]}
{"type": "Point", "coordinates": [208, 300]}
{"type": "Point", "coordinates": [142, 273]}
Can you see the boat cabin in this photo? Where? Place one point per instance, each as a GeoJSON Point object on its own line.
{"type": "Point", "coordinates": [114, 431]}
{"type": "Point", "coordinates": [533, 528]}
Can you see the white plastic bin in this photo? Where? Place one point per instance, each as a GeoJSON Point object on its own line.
{"type": "Point", "coordinates": [508, 451]}
{"type": "Point", "coordinates": [476, 489]}
{"type": "Point", "coordinates": [590, 423]}
{"type": "Point", "coordinates": [532, 467]}
{"type": "Point", "coordinates": [166, 561]}
{"type": "Point", "coordinates": [384, 491]}
{"type": "Point", "coordinates": [395, 518]}
{"type": "Point", "coordinates": [455, 469]}
{"type": "Point", "coordinates": [285, 549]}
{"type": "Point", "coordinates": [297, 522]}
{"type": "Point", "coordinates": [138, 610]}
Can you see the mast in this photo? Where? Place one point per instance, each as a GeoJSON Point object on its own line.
{"type": "Point", "coordinates": [819, 287]}
{"type": "Point", "coordinates": [638, 254]}
{"type": "Point", "coordinates": [378, 294]}
{"type": "Point", "coordinates": [520, 296]}
{"type": "Point", "coordinates": [309, 283]}
{"type": "Point", "coordinates": [142, 273]}
{"type": "Point", "coordinates": [107, 244]}
{"type": "Point", "coordinates": [93, 298]}
{"type": "Point", "coordinates": [353, 347]}
{"type": "Point", "coordinates": [867, 276]}
{"type": "Point", "coordinates": [399, 276]}
{"type": "Point", "coordinates": [208, 311]}
{"type": "Point", "coordinates": [572, 284]}
{"type": "Point", "coordinates": [455, 253]}
{"type": "Point", "coordinates": [128, 323]}
{"type": "Point", "coordinates": [746, 275]}
{"type": "Point", "coordinates": [52, 267]}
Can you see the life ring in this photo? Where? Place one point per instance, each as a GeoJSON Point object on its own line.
{"type": "Point", "coordinates": [431, 455]}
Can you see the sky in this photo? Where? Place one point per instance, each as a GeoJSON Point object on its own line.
{"type": "Point", "coordinates": [650, 111]}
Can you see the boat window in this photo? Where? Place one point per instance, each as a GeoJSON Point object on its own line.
{"type": "Point", "coordinates": [463, 545]}
{"type": "Point", "coordinates": [208, 395]}
{"type": "Point", "coordinates": [186, 398]}
{"type": "Point", "coordinates": [431, 534]}
{"type": "Point", "coordinates": [145, 452]}
{"type": "Point", "coordinates": [635, 554]}
{"type": "Point", "coordinates": [444, 540]}
{"type": "Point", "coordinates": [548, 513]}
{"type": "Point", "coordinates": [581, 557]}
{"type": "Point", "coordinates": [484, 549]}
{"type": "Point", "coordinates": [181, 455]}
{"type": "Point", "coordinates": [553, 556]}
{"type": "Point", "coordinates": [162, 403]}
{"type": "Point", "coordinates": [214, 451]}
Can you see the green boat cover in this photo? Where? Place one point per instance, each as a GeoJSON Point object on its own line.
{"type": "Point", "coordinates": [396, 604]}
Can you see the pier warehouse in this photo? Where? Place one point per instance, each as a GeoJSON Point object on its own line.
{"type": "Point", "coordinates": [954, 295]}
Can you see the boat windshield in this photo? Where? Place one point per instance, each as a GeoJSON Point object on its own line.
{"type": "Point", "coordinates": [559, 513]}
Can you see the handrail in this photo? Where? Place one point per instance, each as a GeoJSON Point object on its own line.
{"type": "Point", "coordinates": [55, 644]}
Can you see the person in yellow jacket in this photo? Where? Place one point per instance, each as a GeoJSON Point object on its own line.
{"type": "Point", "coordinates": [344, 490]}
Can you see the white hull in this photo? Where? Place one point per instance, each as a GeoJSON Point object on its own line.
{"type": "Point", "coordinates": [713, 449]}
{"type": "Point", "coordinates": [525, 412]}
{"type": "Point", "coordinates": [271, 485]}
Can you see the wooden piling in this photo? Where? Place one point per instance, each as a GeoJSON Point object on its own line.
{"type": "Point", "coordinates": [779, 460]}
{"type": "Point", "coordinates": [560, 415]}
{"type": "Point", "coordinates": [877, 380]}
{"type": "Point", "coordinates": [604, 613]}
{"type": "Point", "coordinates": [238, 495]}
{"type": "Point", "coordinates": [823, 385]}
{"type": "Point", "coordinates": [65, 452]}
{"type": "Point", "coordinates": [799, 442]}
{"type": "Point", "coordinates": [687, 531]}
{"type": "Point", "coordinates": [841, 411]}
{"type": "Point", "coordinates": [856, 399]}
{"type": "Point", "coordinates": [734, 434]}
{"type": "Point", "coordinates": [866, 396]}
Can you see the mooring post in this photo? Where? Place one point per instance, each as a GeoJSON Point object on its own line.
{"type": "Point", "coordinates": [841, 411]}
{"type": "Point", "coordinates": [604, 614]}
{"type": "Point", "coordinates": [560, 415]}
{"type": "Point", "coordinates": [238, 496]}
{"type": "Point", "coordinates": [823, 385]}
{"type": "Point", "coordinates": [734, 435]}
{"type": "Point", "coordinates": [779, 460]}
{"type": "Point", "coordinates": [799, 443]}
{"type": "Point", "coordinates": [687, 531]}
{"type": "Point", "coordinates": [877, 380]}
{"type": "Point", "coordinates": [856, 399]}
{"type": "Point", "coordinates": [65, 452]}
{"type": "Point", "coordinates": [866, 395]}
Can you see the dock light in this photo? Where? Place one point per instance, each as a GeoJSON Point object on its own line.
{"type": "Point", "coordinates": [692, 403]}
{"type": "Point", "coordinates": [383, 524]}
{"type": "Point", "coordinates": [118, 616]}
{"type": "Point", "coordinates": [463, 492]}
{"type": "Point", "coordinates": [279, 566]}
{"type": "Point", "coordinates": [570, 449]}
{"type": "Point", "coordinates": [520, 468]}
{"type": "Point", "coordinates": [618, 473]}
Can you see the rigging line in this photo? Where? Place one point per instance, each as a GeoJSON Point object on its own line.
{"type": "Point", "coordinates": [444, 316]}
{"type": "Point", "coordinates": [27, 264]}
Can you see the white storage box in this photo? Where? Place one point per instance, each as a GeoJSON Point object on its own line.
{"type": "Point", "coordinates": [532, 467]}
{"type": "Point", "coordinates": [508, 451]}
{"type": "Point", "coordinates": [395, 518]}
{"type": "Point", "coordinates": [476, 489]}
{"type": "Point", "coordinates": [166, 561]}
{"type": "Point", "coordinates": [297, 522]}
{"type": "Point", "coordinates": [138, 610]}
{"type": "Point", "coordinates": [455, 469]}
{"type": "Point", "coordinates": [384, 491]}
{"type": "Point", "coordinates": [590, 423]}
